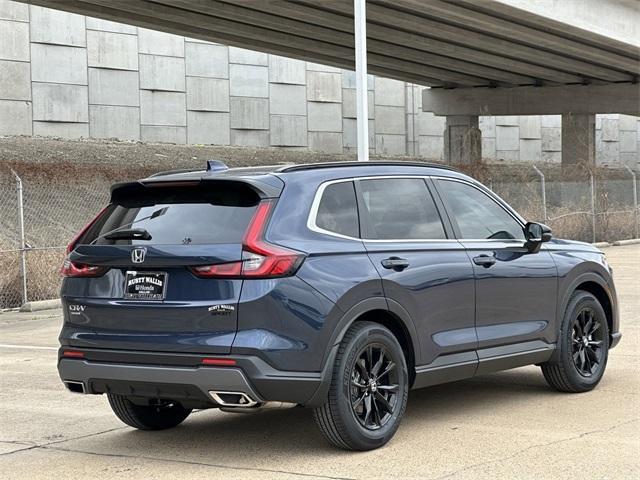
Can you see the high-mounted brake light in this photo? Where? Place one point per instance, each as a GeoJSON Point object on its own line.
{"type": "Point", "coordinates": [260, 259]}
{"type": "Point", "coordinates": [73, 269]}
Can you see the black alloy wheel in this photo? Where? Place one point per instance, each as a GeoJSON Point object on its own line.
{"type": "Point", "coordinates": [374, 387]}
{"type": "Point", "coordinates": [586, 342]}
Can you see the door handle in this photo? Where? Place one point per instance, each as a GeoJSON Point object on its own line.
{"type": "Point", "coordinates": [395, 263]}
{"type": "Point", "coordinates": [484, 260]}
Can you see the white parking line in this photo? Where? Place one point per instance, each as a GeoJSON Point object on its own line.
{"type": "Point", "coordinates": [27, 347]}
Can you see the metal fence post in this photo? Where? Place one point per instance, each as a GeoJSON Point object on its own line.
{"type": "Point", "coordinates": [593, 209]}
{"type": "Point", "coordinates": [635, 200]}
{"type": "Point", "coordinates": [544, 192]}
{"type": "Point", "coordinates": [23, 244]}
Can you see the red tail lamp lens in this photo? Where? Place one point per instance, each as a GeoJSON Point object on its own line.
{"type": "Point", "coordinates": [260, 259]}
{"type": "Point", "coordinates": [73, 269]}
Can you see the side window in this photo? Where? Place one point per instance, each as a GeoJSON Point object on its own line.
{"type": "Point", "coordinates": [338, 210]}
{"type": "Point", "coordinates": [478, 215]}
{"type": "Point", "coordinates": [400, 209]}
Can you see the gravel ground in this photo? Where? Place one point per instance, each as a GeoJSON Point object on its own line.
{"type": "Point", "coordinates": [504, 425]}
{"type": "Point", "coordinates": [46, 150]}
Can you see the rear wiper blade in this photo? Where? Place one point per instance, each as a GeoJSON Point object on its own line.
{"type": "Point", "coordinates": [129, 234]}
{"type": "Point", "coordinates": [122, 228]}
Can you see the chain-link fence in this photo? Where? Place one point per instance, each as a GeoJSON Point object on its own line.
{"type": "Point", "coordinates": [58, 200]}
{"type": "Point", "coordinates": [39, 214]}
{"type": "Point", "coordinates": [599, 205]}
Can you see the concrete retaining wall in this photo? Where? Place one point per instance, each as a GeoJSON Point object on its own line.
{"type": "Point", "coordinates": [73, 76]}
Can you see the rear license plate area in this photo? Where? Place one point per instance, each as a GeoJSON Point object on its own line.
{"type": "Point", "coordinates": [145, 285]}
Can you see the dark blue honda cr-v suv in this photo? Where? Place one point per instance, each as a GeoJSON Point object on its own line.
{"type": "Point", "coordinates": [336, 286]}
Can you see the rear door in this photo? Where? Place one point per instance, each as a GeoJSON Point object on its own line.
{"type": "Point", "coordinates": [515, 289]}
{"type": "Point", "coordinates": [423, 270]}
{"type": "Point", "coordinates": [149, 298]}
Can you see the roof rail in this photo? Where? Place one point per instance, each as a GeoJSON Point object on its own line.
{"type": "Point", "coordinates": [388, 163]}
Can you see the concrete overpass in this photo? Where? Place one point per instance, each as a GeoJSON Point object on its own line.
{"type": "Point", "coordinates": [483, 57]}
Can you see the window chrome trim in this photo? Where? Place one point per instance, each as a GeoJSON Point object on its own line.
{"type": "Point", "coordinates": [315, 205]}
{"type": "Point", "coordinates": [311, 219]}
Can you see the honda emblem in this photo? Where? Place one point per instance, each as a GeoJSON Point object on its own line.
{"type": "Point", "coordinates": [138, 254]}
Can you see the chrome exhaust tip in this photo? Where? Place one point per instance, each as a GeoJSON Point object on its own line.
{"type": "Point", "coordinates": [232, 399]}
{"type": "Point", "coordinates": [75, 387]}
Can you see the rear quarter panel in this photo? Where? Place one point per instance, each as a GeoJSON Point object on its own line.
{"type": "Point", "coordinates": [336, 276]}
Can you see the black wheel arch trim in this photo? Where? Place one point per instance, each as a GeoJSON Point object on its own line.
{"type": "Point", "coordinates": [566, 290]}
{"type": "Point", "coordinates": [348, 318]}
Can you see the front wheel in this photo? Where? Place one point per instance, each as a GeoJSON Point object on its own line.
{"type": "Point", "coordinates": [148, 417]}
{"type": "Point", "coordinates": [583, 346]}
{"type": "Point", "coordinates": [368, 392]}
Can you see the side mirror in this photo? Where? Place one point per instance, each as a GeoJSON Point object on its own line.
{"type": "Point", "coordinates": [535, 234]}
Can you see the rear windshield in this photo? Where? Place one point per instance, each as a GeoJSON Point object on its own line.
{"type": "Point", "coordinates": [191, 215]}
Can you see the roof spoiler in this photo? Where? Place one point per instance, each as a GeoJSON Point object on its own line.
{"type": "Point", "coordinates": [265, 187]}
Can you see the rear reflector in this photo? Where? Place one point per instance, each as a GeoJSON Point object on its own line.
{"type": "Point", "coordinates": [72, 354]}
{"type": "Point", "coordinates": [218, 362]}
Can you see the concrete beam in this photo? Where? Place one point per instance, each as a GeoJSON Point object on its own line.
{"type": "Point", "coordinates": [380, 38]}
{"type": "Point", "coordinates": [446, 44]}
{"type": "Point", "coordinates": [196, 25]}
{"type": "Point", "coordinates": [581, 19]}
{"type": "Point", "coordinates": [612, 98]}
{"type": "Point", "coordinates": [494, 25]}
{"type": "Point", "coordinates": [480, 41]}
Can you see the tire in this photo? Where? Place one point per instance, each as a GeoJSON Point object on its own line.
{"type": "Point", "coordinates": [147, 417]}
{"type": "Point", "coordinates": [572, 371]}
{"type": "Point", "coordinates": [359, 359]}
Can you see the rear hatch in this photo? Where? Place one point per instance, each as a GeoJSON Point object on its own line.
{"type": "Point", "coordinates": [133, 278]}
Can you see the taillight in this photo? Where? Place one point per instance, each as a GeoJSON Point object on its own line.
{"type": "Point", "coordinates": [260, 259]}
{"type": "Point", "coordinates": [74, 269]}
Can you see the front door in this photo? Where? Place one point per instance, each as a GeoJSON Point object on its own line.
{"type": "Point", "coordinates": [424, 271]}
{"type": "Point", "coordinates": [516, 291]}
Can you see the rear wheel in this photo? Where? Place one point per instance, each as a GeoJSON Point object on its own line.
{"type": "Point", "coordinates": [583, 346]}
{"type": "Point", "coordinates": [148, 417]}
{"type": "Point", "coordinates": [368, 392]}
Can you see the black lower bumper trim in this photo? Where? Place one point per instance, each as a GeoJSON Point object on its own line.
{"type": "Point", "coordinates": [177, 376]}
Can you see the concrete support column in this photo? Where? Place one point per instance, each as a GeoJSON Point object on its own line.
{"type": "Point", "coordinates": [462, 140]}
{"type": "Point", "coordinates": [578, 139]}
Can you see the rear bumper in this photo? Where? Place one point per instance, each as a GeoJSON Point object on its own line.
{"type": "Point", "coordinates": [179, 377]}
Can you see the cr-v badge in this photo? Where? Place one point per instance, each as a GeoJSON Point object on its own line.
{"type": "Point", "coordinates": [138, 254]}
